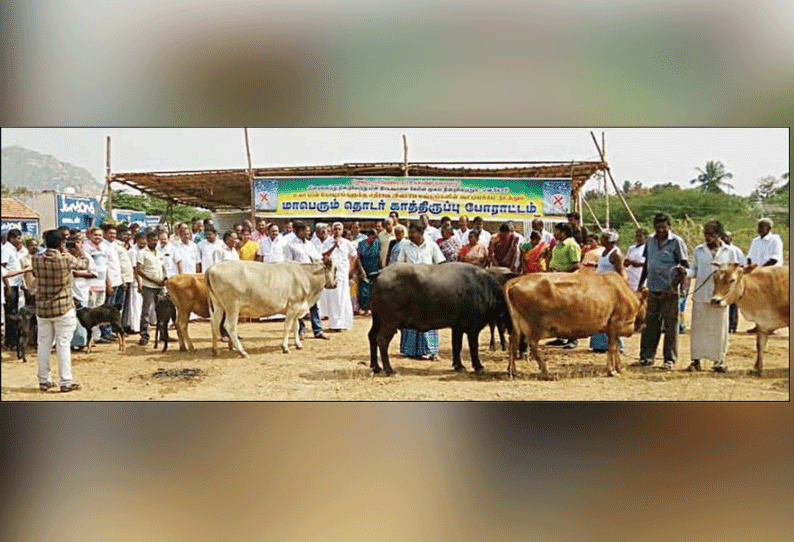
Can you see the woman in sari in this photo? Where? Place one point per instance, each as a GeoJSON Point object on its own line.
{"type": "Point", "coordinates": [369, 264]}
{"type": "Point", "coordinates": [505, 248]}
{"type": "Point", "coordinates": [475, 252]}
{"type": "Point", "coordinates": [449, 245]}
{"type": "Point", "coordinates": [248, 248]}
{"type": "Point", "coordinates": [533, 254]}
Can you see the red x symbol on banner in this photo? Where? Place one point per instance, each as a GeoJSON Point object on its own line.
{"type": "Point", "coordinates": [557, 200]}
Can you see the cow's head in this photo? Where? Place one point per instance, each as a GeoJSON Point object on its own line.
{"type": "Point", "coordinates": [728, 283]}
{"type": "Point", "coordinates": [330, 273]}
{"type": "Point", "coordinates": [639, 320]}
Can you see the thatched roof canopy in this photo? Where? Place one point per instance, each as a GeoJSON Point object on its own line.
{"type": "Point", "coordinates": [231, 189]}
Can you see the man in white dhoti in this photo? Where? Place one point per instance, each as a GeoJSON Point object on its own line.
{"type": "Point", "coordinates": [709, 338]}
{"type": "Point", "coordinates": [337, 301]}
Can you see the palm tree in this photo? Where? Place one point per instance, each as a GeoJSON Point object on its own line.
{"type": "Point", "coordinates": [711, 179]}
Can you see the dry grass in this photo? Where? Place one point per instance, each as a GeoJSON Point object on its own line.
{"type": "Point", "coordinates": [339, 370]}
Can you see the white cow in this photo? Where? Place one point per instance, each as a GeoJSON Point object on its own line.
{"type": "Point", "coordinates": [253, 290]}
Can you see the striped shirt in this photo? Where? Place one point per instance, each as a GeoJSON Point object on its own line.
{"type": "Point", "coordinates": [53, 269]}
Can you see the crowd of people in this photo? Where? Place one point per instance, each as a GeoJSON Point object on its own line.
{"type": "Point", "coordinates": [123, 266]}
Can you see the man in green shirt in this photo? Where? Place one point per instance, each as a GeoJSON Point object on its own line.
{"type": "Point", "coordinates": [565, 257]}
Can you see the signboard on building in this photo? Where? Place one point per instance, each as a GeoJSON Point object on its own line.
{"type": "Point", "coordinates": [152, 221]}
{"type": "Point", "coordinates": [28, 227]}
{"type": "Point", "coordinates": [376, 197]}
{"type": "Point", "coordinates": [76, 211]}
{"type": "Point", "coordinates": [130, 217]}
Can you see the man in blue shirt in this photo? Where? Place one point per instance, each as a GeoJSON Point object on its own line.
{"type": "Point", "coordinates": [665, 263]}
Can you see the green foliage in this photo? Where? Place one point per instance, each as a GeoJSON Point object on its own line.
{"type": "Point", "coordinates": [156, 206]}
{"type": "Point", "coordinates": [712, 179]}
{"type": "Point", "coordinates": [689, 209]}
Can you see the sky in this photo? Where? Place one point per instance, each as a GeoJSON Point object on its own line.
{"type": "Point", "coordinates": [649, 155]}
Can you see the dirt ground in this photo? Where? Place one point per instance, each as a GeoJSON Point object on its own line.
{"type": "Point", "coordinates": [339, 370]}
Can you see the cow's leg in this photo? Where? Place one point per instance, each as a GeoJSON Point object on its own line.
{"type": "Point", "coordinates": [385, 335]}
{"type": "Point", "coordinates": [216, 315]}
{"type": "Point", "coordinates": [492, 344]}
{"type": "Point", "coordinates": [182, 318]}
{"type": "Point", "coordinates": [613, 356]}
{"type": "Point", "coordinates": [290, 326]}
{"type": "Point", "coordinates": [474, 345]}
{"type": "Point", "coordinates": [231, 328]}
{"type": "Point", "coordinates": [760, 345]}
{"type": "Point", "coordinates": [457, 346]}
{"type": "Point", "coordinates": [533, 348]}
{"type": "Point", "coordinates": [500, 325]}
{"type": "Point", "coordinates": [373, 343]}
{"type": "Point", "coordinates": [515, 335]}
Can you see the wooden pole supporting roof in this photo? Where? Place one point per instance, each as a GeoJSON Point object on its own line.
{"type": "Point", "coordinates": [231, 188]}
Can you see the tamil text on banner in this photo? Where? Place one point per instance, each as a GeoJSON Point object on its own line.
{"type": "Point", "coordinates": [376, 197]}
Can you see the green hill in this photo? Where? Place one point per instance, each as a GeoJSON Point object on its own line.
{"type": "Point", "coordinates": [690, 209]}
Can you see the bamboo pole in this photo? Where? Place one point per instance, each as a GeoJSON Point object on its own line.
{"type": "Point", "coordinates": [405, 155]}
{"type": "Point", "coordinates": [107, 178]}
{"type": "Point", "coordinates": [609, 172]}
{"type": "Point", "coordinates": [581, 199]}
{"type": "Point", "coordinates": [251, 178]}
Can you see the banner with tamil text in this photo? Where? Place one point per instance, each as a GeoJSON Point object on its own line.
{"type": "Point", "coordinates": [376, 197]}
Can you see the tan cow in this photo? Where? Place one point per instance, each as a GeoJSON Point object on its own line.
{"type": "Point", "coordinates": [761, 293]}
{"type": "Point", "coordinates": [253, 289]}
{"type": "Point", "coordinates": [574, 306]}
{"type": "Point", "coordinates": [189, 294]}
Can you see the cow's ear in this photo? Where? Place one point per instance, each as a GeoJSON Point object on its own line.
{"type": "Point", "coordinates": [749, 268]}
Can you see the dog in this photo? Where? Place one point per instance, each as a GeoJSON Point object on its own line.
{"type": "Point", "coordinates": [89, 318]}
{"type": "Point", "coordinates": [165, 311]}
{"type": "Point", "coordinates": [26, 326]}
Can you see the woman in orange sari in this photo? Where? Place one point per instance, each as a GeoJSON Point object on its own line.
{"type": "Point", "coordinates": [474, 253]}
{"type": "Point", "coordinates": [533, 254]}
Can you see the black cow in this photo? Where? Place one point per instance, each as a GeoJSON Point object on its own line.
{"type": "Point", "coordinates": [26, 326]}
{"type": "Point", "coordinates": [165, 311]}
{"type": "Point", "coordinates": [457, 295]}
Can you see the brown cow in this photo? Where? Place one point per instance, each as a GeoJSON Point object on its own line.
{"type": "Point", "coordinates": [189, 294]}
{"type": "Point", "coordinates": [761, 293]}
{"type": "Point", "coordinates": [574, 306]}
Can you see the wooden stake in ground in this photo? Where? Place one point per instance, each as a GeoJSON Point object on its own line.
{"type": "Point", "coordinates": [622, 199]}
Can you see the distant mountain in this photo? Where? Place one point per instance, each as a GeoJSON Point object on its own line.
{"type": "Point", "coordinates": [35, 171]}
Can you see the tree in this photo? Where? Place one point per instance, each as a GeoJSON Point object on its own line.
{"type": "Point", "coordinates": [765, 188]}
{"type": "Point", "coordinates": [712, 178]}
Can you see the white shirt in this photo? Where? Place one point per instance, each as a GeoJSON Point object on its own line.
{"type": "Point", "coordinates": [426, 253]}
{"type": "Point", "coordinates": [224, 253]}
{"type": "Point", "coordinates": [81, 285]}
{"type": "Point", "coordinates": [432, 233]}
{"type": "Point", "coordinates": [11, 261]}
{"type": "Point", "coordinates": [272, 250]}
{"type": "Point", "coordinates": [167, 255]}
{"type": "Point", "coordinates": [545, 236]}
{"type": "Point", "coordinates": [763, 249]}
{"type": "Point", "coordinates": [485, 239]}
{"type": "Point", "coordinates": [100, 258]}
{"type": "Point", "coordinates": [341, 256]}
{"type": "Point", "coordinates": [207, 251]}
{"type": "Point", "coordinates": [188, 254]}
{"type": "Point", "coordinates": [703, 270]}
{"type": "Point", "coordinates": [124, 261]}
{"type": "Point", "coordinates": [151, 265]}
{"type": "Point", "coordinates": [114, 265]}
{"type": "Point", "coordinates": [385, 238]}
{"type": "Point", "coordinates": [740, 257]}
{"type": "Point", "coordinates": [301, 251]}
{"type": "Point", "coordinates": [633, 274]}
{"type": "Point", "coordinates": [463, 236]}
